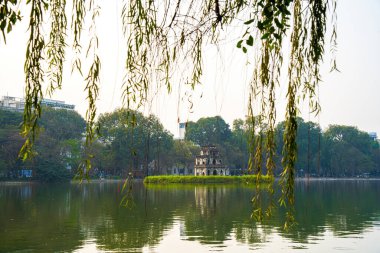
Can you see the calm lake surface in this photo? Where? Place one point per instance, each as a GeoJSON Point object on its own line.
{"type": "Point", "coordinates": [332, 216]}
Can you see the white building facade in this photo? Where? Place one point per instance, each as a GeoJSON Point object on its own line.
{"type": "Point", "coordinates": [18, 104]}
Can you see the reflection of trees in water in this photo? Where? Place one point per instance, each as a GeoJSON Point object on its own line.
{"type": "Point", "coordinates": [222, 212]}
{"type": "Point", "coordinates": [249, 233]}
{"type": "Point", "coordinates": [115, 227]}
{"type": "Point", "coordinates": [344, 207]}
{"type": "Point", "coordinates": [56, 218]}
{"type": "Point", "coordinates": [341, 206]}
{"type": "Point", "coordinates": [39, 220]}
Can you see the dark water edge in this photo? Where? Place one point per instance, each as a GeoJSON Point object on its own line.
{"type": "Point", "coordinates": [332, 215]}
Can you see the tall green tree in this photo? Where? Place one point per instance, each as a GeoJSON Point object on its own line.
{"type": "Point", "coordinates": [210, 130]}
{"type": "Point", "coordinates": [348, 151]}
{"type": "Point", "coordinates": [58, 147]}
{"type": "Point", "coordinates": [183, 154]}
{"type": "Point", "coordinates": [134, 141]}
{"type": "Point", "coordinates": [62, 124]}
{"type": "Point", "coordinates": [239, 144]}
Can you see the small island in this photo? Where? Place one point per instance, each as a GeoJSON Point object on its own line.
{"type": "Point", "coordinates": [208, 169]}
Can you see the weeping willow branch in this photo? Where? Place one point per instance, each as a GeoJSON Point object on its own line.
{"type": "Point", "coordinates": [57, 44]}
{"type": "Point", "coordinates": [334, 36]}
{"type": "Point", "coordinates": [315, 28]}
{"type": "Point", "coordinates": [272, 21]}
{"type": "Point", "coordinates": [162, 37]}
{"type": "Point", "coordinates": [77, 20]}
{"type": "Point", "coordinates": [251, 136]}
{"type": "Point", "coordinates": [33, 79]}
{"type": "Point", "coordinates": [290, 145]}
{"type": "Point", "coordinates": [92, 89]}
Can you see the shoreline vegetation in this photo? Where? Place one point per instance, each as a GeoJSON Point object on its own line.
{"type": "Point", "coordinates": [169, 179]}
{"type": "Point", "coordinates": [337, 152]}
{"type": "Point", "coordinates": [188, 182]}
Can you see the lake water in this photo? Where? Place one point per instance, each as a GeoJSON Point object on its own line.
{"type": "Point", "coordinates": [332, 216]}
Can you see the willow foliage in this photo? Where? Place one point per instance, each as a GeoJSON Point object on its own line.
{"type": "Point", "coordinates": [166, 39]}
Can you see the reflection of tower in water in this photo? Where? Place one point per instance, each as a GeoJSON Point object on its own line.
{"type": "Point", "coordinates": [182, 229]}
{"type": "Point", "coordinates": [209, 199]}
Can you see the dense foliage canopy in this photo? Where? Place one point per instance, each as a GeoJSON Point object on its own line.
{"type": "Point", "coordinates": [58, 147]}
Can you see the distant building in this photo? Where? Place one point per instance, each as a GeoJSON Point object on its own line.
{"type": "Point", "coordinates": [18, 104]}
{"type": "Point", "coordinates": [12, 103]}
{"type": "Point", "coordinates": [57, 104]}
{"type": "Point", "coordinates": [179, 171]}
{"type": "Point", "coordinates": [182, 130]}
{"type": "Point", "coordinates": [373, 135]}
{"type": "Point", "coordinates": [209, 162]}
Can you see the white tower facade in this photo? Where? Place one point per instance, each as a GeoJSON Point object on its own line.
{"type": "Point", "coordinates": [182, 131]}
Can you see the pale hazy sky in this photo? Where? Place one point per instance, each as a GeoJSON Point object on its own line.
{"type": "Point", "coordinates": [351, 97]}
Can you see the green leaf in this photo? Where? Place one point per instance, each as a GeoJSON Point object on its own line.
{"type": "Point", "coordinates": [245, 50]}
{"type": "Point", "coordinates": [9, 29]}
{"type": "Point", "coordinates": [13, 18]}
{"type": "Point", "coordinates": [250, 41]}
{"type": "Point", "coordinates": [3, 25]}
{"type": "Point", "coordinates": [267, 22]}
{"type": "Point", "coordinates": [265, 36]}
{"type": "Point", "coordinates": [278, 23]}
{"type": "Point", "coordinates": [238, 45]}
{"type": "Point", "coordinates": [260, 25]}
{"type": "Point", "coordinates": [249, 22]}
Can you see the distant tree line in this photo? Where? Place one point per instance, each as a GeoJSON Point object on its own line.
{"type": "Point", "coordinates": [133, 143]}
{"type": "Point", "coordinates": [339, 151]}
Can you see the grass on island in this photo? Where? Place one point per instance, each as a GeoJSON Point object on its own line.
{"type": "Point", "coordinates": [170, 179]}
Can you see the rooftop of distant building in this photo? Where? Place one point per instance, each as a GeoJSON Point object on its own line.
{"type": "Point", "coordinates": [18, 104]}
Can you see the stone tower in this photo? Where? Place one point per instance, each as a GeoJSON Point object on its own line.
{"type": "Point", "coordinates": [209, 163]}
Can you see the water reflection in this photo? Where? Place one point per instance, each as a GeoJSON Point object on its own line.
{"type": "Point", "coordinates": [88, 217]}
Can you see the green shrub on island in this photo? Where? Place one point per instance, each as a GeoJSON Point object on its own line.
{"type": "Point", "coordinates": [169, 179]}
